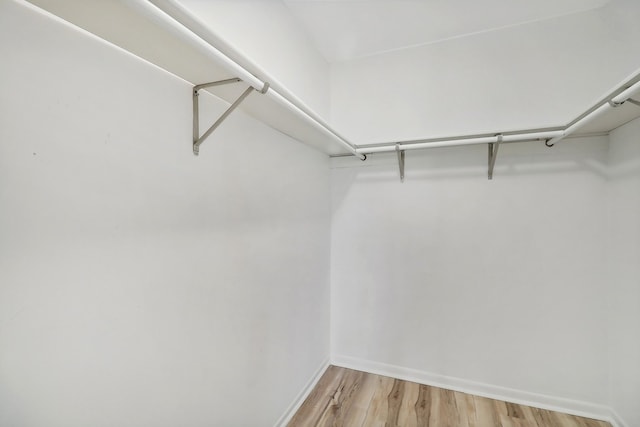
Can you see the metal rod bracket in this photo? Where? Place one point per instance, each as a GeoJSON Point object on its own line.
{"type": "Point", "coordinates": [493, 154]}
{"type": "Point", "coordinates": [400, 161]}
{"type": "Point", "coordinates": [199, 139]}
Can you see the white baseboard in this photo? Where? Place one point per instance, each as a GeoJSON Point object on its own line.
{"type": "Point", "coordinates": [299, 400]}
{"type": "Point", "coordinates": [616, 420]}
{"type": "Point", "coordinates": [553, 403]}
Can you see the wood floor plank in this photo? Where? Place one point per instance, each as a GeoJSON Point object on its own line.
{"type": "Point", "coordinates": [473, 416]}
{"type": "Point", "coordinates": [423, 405]}
{"type": "Point", "coordinates": [527, 411]}
{"type": "Point", "coordinates": [514, 411]}
{"type": "Point", "coordinates": [565, 420]}
{"type": "Point", "coordinates": [408, 416]}
{"type": "Point", "coordinates": [344, 397]}
{"type": "Point", "coordinates": [448, 414]}
{"type": "Point", "coordinates": [507, 421]}
{"type": "Point", "coordinates": [314, 405]}
{"type": "Point", "coordinates": [543, 417]}
{"type": "Point", "coordinates": [486, 414]}
{"type": "Point", "coordinates": [361, 401]}
{"type": "Point", "coordinates": [341, 399]}
{"type": "Point", "coordinates": [466, 409]}
{"type": "Point", "coordinates": [378, 408]}
{"type": "Point", "coordinates": [394, 402]}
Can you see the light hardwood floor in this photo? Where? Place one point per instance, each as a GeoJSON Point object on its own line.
{"type": "Point", "coordinates": [344, 397]}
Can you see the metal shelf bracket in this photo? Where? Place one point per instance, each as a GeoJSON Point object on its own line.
{"type": "Point", "coordinates": [493, 153]}
{"type": "Point", "coordinates": [400, 161]}
{"type": "Point", "coordinates": [197, 139]}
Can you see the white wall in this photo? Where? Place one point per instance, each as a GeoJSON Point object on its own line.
{"type": "Point", "coordinates": [623, 286]}
{"type": "Point", "coordinates": [268, 34]}
{"type": "Point", "coordinates": [541, 74]}
{"type": "Point", "coordinates": [140, 285]}
{"type": "Point", "coordinates": [497, 282]}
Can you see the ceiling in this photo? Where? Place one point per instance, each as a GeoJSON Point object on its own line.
{"type": "Point", "coordinates": [348, 29]}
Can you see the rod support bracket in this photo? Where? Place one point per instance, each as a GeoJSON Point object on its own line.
{"type": "Point", "coordinates": [546, 142]}
{"type": "Point", "coordinates": [400, 161]}
{"type": "Point", "coordinates": [199, 139]}
{"type": "Point", "coordinates": [493, 154]}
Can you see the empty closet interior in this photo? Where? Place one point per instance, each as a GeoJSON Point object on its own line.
{"type": "Point", "coordinates": [205, 204]}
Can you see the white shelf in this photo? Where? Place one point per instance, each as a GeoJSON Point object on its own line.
{"type": "Point", "coordinates": [127, 24]}
{"type": "Point", "coordinates": [130, 25]}
{"type": "Point", "coordinates": [612, 119]}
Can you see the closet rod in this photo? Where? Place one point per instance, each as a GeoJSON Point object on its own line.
{"type": "Point", "coordinates": [421, 144]}
{"type": "Point", "coordinates": [165, 12]}
{"type": "Point", "coordinates": [627, 93]}
{"type": "Point", "coordinates": [617, 97]}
